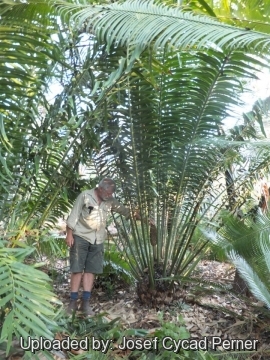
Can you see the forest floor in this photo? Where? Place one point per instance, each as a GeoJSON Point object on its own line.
{"type": "Point", "coordinates": [216, 312]}
{"type": "Point", "coordinates": [205, 313]}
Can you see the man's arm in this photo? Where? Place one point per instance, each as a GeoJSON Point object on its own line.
{"type": "Point", "coordinates": [123, 210]}
{"type": "Point", "coordinates": [73, 219]}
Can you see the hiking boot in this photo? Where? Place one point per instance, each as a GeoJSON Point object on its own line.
{"type": "Point", "coordinates": [72, 306]}
{"type": "Point", "coordinates": [86, 308]}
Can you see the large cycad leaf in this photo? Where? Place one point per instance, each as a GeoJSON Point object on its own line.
{"type": "Point", "coordinates": [25, 296]}
{"type": "Point", "coordinates": [143, 22]}
{"type": "Point", "coordinates": [46, 145]}
{"type": "Point", "coordinates": [27, 50]}
{"type": "Point", "coordinates": [259, 289]}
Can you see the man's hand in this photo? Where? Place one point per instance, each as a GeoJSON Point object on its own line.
{"type": "Point", "coordinates": [69, 241]}
{"type": "Point", "coordinates": [69, 237]}
{"type": "Point", "coordinates": [136, 215]}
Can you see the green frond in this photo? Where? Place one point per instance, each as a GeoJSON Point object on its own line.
{"type": "Point", "coordinates": [28, 50]}
{"type": "Point", "coordinates": [143, 23]}
{"type": "Point", "coordinates": [256, 286]}
{"type": "Point", "coordinates": [246, 244]}
{"type": "Point", "coordinates": [151, 119]}
{"type": "Point", "coordinates": [116, 264]}
{"type": "Point", "coordinates": [31, 15]}
{"type": "Point", "coordinates": [29, 305]}
{"type": "Point", "coordinates": [251, 14]}
{"type": "Point", "coordinates": [265, 249]}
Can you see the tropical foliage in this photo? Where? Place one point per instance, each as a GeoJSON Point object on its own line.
{"type": "Point", "coordinates": [28, 307]}
{"type": "Point", "coordinates": [174, 186]}
{"type": "Point", "coordinates": [249, 14]}
{"type": "Point", "coordinates": [159, 25]}
{"type": "Point", "coordinates": [62, 135]}
{"type": "Point", "coordinates": [144, 89]}
{"type": "Point", "coordinates": [246, 244]}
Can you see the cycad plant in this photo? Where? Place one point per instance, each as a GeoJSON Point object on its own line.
{"type": "Point", "coordinates": [246, 243]}
{"type": "Point", "coordinates": [163, 145]}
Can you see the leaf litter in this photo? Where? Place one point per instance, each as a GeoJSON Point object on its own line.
{"type": "Point", "coordinates": [218, 312]}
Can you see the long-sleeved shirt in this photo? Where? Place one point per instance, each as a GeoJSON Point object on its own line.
{"type": "Point", "coordinates": [88, 218]}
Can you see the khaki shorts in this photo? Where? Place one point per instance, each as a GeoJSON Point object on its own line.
{"type": "Point", "coordinates": [86, 257]}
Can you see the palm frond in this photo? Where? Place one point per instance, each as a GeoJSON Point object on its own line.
{"type": "Point", "coordinates": [28, 52]}
{"type": "Point", "coordinates": [256, 286]}
{"type": "Point", "coordinates": [30, 305]}
{"type": "Point", "coordinates": [142, 23]}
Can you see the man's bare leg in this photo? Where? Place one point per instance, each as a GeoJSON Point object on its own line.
{"type": "Point", "coordinates": [75, 281]}
{"type": "Point", "coordinates": [88, 281]}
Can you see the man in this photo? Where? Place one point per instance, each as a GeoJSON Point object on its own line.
{"type": "Point", "coordinates": [85, 236]}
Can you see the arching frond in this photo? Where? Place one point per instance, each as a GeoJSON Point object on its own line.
{"type": "Point", "coordinates": [256, 286]}
{"type": "Point", "coordinates": [141, 23]}
{"type": "Point", "coordinates": [27, 52]}
{"type": "Point", "coordinates": [246, 244]}
{"type": "Point", "coordinates": [25, 296]}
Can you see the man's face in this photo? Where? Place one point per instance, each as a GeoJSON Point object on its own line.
{"type": "Point", "coordinates": [105, 194]}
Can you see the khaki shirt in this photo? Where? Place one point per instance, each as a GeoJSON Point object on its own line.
{"type": "Point", "coordinates": [88, 218]}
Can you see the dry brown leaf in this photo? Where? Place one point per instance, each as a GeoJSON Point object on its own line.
{"type": "Point", "coordinates": [237, 323]}
{"type": "Point", "coordinates": [152, 316]}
